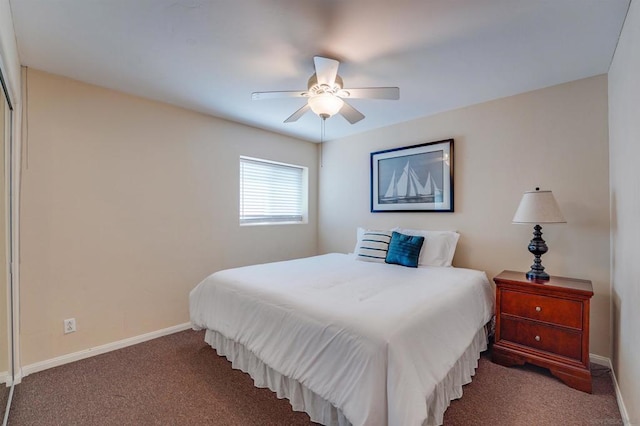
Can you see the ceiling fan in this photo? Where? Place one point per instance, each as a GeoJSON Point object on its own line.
{"type": "Point", "coordinates": [326, 94]}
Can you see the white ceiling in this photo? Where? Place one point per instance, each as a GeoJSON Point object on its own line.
{"type": "Point", "coordinates": [210, 55]}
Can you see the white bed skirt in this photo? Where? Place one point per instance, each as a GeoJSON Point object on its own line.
{"type": "Point", "coordinates": [322, 411]}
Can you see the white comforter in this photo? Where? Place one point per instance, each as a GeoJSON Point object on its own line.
{"type": "Point", "coordinates": [372, 339]}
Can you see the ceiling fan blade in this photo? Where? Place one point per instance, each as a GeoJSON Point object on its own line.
{"type": "Point", "coordinates": [392, 93]}
{"type": "Point", "coordinates": [258, 96]}
{"type": "Point", "coordinates": [326, 70]}
{"type": "Point", "coordinates": [296, 115]}
{"type": "Point", "coordinates": [351, 114]}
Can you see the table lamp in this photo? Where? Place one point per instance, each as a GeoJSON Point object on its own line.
{"type": "Point", "coordinates": [538, 207]}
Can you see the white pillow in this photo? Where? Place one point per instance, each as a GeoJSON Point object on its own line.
{"type": "Point", "coordinates": [372, 245]}
{"type": "Point", "coordinates": [439, 246]}
{"type": "Point", "coordinates": [359, 233]}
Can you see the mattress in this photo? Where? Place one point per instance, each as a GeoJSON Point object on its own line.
{"type": "Point", "coordinates": [380, 343]}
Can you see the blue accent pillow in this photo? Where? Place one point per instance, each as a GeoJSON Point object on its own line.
{"type": "Point", "coordinates": [404, 249]}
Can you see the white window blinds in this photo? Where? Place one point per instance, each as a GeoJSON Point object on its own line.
{"type": "Point", "coordinates": [271, 192]}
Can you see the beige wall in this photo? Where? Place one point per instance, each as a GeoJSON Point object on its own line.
{"type": "Point", "coordinates": [126, 205]}
{"type": "Point", "coordinates": [624, 139]}
{"type": "Point", "coordinates": [554, 138]}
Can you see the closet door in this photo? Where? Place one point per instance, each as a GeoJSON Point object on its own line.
{"type": "Point", "coordinates": [6, 370]}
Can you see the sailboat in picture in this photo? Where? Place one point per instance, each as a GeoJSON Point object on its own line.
{"type": "Point", "coordinates": [408, 189]}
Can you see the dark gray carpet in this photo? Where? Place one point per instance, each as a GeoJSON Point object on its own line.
{"type": "Point", "coordinates": [4, 396]}
{"type": "Point", "coordinates": [179, 380]}
{"type": "Point", "coordinates": [530, 395]}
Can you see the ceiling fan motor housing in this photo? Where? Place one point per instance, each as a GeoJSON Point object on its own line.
{"type": "Point", "coordinates": [315, 89]}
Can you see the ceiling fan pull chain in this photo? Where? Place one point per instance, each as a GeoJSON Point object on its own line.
{"type": "Point", "coordinates": [322, 127]}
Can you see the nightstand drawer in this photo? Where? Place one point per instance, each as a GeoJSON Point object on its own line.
{"type": "Point", "coordinates": [542, 308]}
{"type": "Point", "coordinates": [545, 338]}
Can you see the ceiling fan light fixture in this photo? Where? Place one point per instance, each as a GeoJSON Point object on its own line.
{"type": "Point", "coordinates": [325, 104]}
{"type": "Point", "coordinates": [325, 93]}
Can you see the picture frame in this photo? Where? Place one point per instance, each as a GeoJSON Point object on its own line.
{"type": "Point", "coordinates": [416, 178]}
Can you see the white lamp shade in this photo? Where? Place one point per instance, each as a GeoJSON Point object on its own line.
{"type": "Point", "coordinates": [538, 207]}
{"type": "Point", "coordinates": [325, 104]}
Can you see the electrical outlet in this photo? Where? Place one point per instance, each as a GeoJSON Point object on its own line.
{"type": "Point", "coordinates": [69, 325]}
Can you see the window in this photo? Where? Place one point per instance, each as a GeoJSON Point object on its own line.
{"type": "Point", "coordinates": [272, 192]}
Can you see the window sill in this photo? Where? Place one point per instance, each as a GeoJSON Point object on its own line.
{"type": "Point", "coordinates": [274, 223]}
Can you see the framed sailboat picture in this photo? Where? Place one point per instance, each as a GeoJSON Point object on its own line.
{"type": "Point", "coordinates": [417, 178]}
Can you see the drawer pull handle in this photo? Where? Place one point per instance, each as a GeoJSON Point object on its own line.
{"type": "Point", "coordinates": [537, 338]}
{"type": "Point", "coordinates": [538, 308]}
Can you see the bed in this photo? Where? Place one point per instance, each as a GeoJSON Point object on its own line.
{"type": "Point", "coordinates": [350, 342]}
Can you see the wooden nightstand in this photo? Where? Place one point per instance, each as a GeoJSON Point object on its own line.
{"type": "Point", "coordinates": [545, 323]}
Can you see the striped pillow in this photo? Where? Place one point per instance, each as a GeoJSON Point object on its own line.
{"type": "Point", "coordinates": [404, 249]}
{"type": "Point", "coordinates": [373, 246]}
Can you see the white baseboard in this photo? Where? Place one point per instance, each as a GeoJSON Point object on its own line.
{"type": "Point", "coordinates": [604, 361]}
{"type": "Point", "coordinates": [5, 378]}
{"type": "Point", "coordinates": [600, 360]}
{"type": "Point", "coordinates": [87, 353]}
{"type": "Point", "coordinates": [17, 377]}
